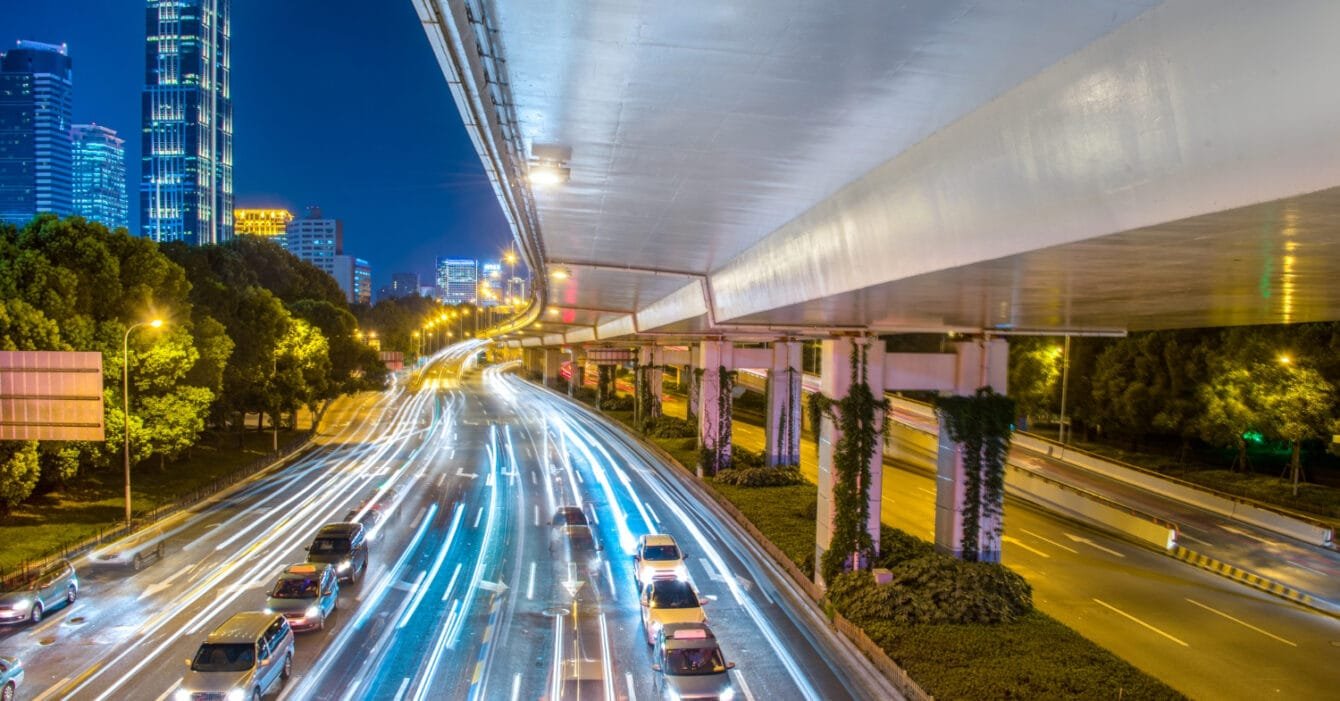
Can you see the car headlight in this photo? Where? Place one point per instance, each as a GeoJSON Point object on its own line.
{"type": "Point", "coordinates": [236, 694]}
{"type": "Point", "coordinates": [681, 572]}
{"type": "Point", "coordinates": [728, 694]}
{"type": "Point", "coordinates": [269, 610]}
{"type": "Point", "coordinates": [23, 605]}
{"type": "Point", "coordinates": [313, 612]}
{"type": "Point", "coordinates": [182, 695]}
{"type": "Point", "coordinates": [344, 566]}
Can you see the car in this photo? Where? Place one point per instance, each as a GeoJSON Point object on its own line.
{"type": "Point", "coordinates": [689, 665]}
{"type": "Point", "coordinates": [11, 676]}
{"type": "Point", "coordinates": [658, 557]}
{"type": "Point", "coordinates": [31, 597]}
{"type": "Point", "coordinates": [368, 518]}
{"type": "Point", "coordinates": [243, 659]}
{"type": "Point", "coordinates": [134, 551]}
{"type": "Point", "coordinates": [569, 516]}
{"type": "Point", "coordinates": [306, 595]}
{"type": "Point", "coordinates": [666, 601]}
{"type": "Point", "coordinates": [381, 500]}
{"type": "Point", "coordinates": [343, 546]}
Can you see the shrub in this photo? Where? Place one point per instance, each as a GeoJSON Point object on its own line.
{"type": "Point", "coordinates": [897, 546]}
{"type": "Point", "coordinates": [618, 404]}
{"type": "Point", "coordinates": [934, 589]}
{"type": "Point", "coordinates": [743, 457]}
{"type": "Point", "coordinates": [760, 477]}
{"type": "Point", "coordinates": [668, 427]}
{"type": "Point", "coordinates": [586, 395]}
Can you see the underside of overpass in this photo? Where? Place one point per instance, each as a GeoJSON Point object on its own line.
{"type": "Point", "coordinates": [752, 168]}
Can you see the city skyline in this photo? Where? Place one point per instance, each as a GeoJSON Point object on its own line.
{"type": "Point", "coordinates": [420, 192]}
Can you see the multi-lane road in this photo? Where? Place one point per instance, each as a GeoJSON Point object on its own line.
{"type": "Point", "coordinates": [465, 596]}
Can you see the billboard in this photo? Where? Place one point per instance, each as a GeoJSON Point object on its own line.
{"type": "Point", "coordinates": [50, 396]}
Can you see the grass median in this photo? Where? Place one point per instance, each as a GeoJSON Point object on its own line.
{"type": "Point", "coordinates": [95, 502]}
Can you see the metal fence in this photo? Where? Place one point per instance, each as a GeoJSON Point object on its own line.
{"type": "Point", "coordinates": [72, 549]}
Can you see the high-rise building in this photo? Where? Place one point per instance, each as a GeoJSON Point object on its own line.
{"type": "Point", "coordinates": [186, 185]}
{"type": "Point", "coordinates": [316, 239]}
{"type": "Point", "coordinates": [354, 276]}
{"type": "Point", "coordinates": [403, 285]}
{"type": "Point", "coordinates": [491, 286]}
{"type": "Point", "coordinates": [36, 83]}
{"type": "Point", "coordinates": [99, 166]}
{"type": "Point", "coordinates": [456, 280]}
{"type": "Point", "coordinates": [266, 223]}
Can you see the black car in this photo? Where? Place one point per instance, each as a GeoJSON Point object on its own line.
{"type": "Point", "coordinates": [569, 516]}
{"type": "Point", "coordinates": [343, 546]}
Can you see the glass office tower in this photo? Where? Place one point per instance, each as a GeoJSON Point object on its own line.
{"type": "Point", "coordinates": [186, 186]}
{"type": "Point", "coordinates": [36, 82]}
{"type": "Point", "coordinates": [99, 158]}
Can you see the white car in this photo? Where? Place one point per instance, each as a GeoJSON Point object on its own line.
{"type": "Point", "coordinates": [658, 557]}
{"type": "Point", "coordinates": [666, 601]}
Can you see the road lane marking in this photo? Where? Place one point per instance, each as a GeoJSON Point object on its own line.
{"type": "Point", "coordinates": [1245, 534]}
{"type": "Point", "coordinates": [516, 686]}
{"type": "Point", "coordinates": [1090, 543]}
{"type": "Point", "coordinates": [744, 686]}
{"type": "Point", "coordinates": [400, 693]}
{"type": "Point", "coordinates": [530, 585]}
{"type": "Point", "coordinates": [1015, 541]}
{"type": "Point", "coordinates": [533, 480]}
{"type": "Point", "coordinates": [537, 515]}
{"type": "Point", "coordinates": [652, 511]}
{"type": "Point", "coordinates": [609, 575]}
{"type": "Point", "coordinates": [579, 477]}
{"type": "Point", "coordinates": [628, 679]}
{"type": "Point", "coordinates": [1309, 569]}
{"type": "Point", "coordinates": [169, 691]}
{"type": "Point", "coordinates": [478, 514]}
{"type": "Point", "coordinates": [1211, 609]}
{"type": "Point", "coordinates": [1045, 539]}
{"type": "Point", "coordinates": [1133, 618]}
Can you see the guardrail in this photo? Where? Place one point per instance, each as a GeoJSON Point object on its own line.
{"type": "Point", "coordinates": [71, 549]}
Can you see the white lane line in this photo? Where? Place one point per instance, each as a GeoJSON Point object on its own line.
{"type": "Point", "coordinates": [1089, 542]}
{"type": "Point", "coordinates": [1015, 541]}
{"type": "Point", "coordinates": [516, 686]}
{"type": "Point", "coordinates": [530, 585]}
{"type": "Point", "coordinates": [441, 478]}
{"type": "Point", "coordinates": [478, 514]}
{"type": "Point", "coordinates": [579, 477]}
{"type": "Point", "coordinates": [1100, 602]}
{"type": "Point", "coordinates": [628, 678]}
{"type": "Point", "coordinates": [168, 693]}
{"type": "Point", "coordinates": [609, 575]}
{"type": "Point", "coordinates": [1309, 569]}
{"type": "Point", "coordinates": [1049, 541]}
{"type": "Point", "coordinates": [537, 515]}
{"type": "Point", "coordinates": [595, 514]}
{"type": "Point", "coordinates": [744, 686]}
{"type": "Point", "coordinates": [533, 480]}
{"type": "Point", "coordinates": [1211, 609]}
{"type": "Point", "coordinates": [651, 511]}
{"type": "Point", "coordinates": [400, 693]}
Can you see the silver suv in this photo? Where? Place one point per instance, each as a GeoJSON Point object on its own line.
{"type": "Point", "coordinates": [29, 598]}
{"type": "Point", "coordinates": [241, 660]}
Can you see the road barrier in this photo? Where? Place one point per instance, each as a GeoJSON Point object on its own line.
{"type": "Point", "coordinates": [1254, 580]}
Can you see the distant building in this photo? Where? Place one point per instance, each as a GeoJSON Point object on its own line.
{"type": "Point", "coordinates": [491, 286]}
{"type": "Point", "coordinates": [456, 280]}
{"type": "Point", "coordinates": [99, 167]}
{"type": "Point", "coordinates": [354, 276]}
{"type": "Point", "coordinates": [186, 167]}
{"type": "Point", "coordinates": [316, 240]}
{"type": "Point", "coordinates": [428, 291]}
{"type": "Point", "coordinates": [404, 284]}
{"type": "Point", "coordinates": [267, 223]}
{"type": "Point", "coordinates": [36, 84]}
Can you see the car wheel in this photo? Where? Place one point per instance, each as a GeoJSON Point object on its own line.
{"type": "Point", "coordinates": [36, 615]}
{"type": "Point", "coordinates": [137, 563]}
{"type": "Point", "coordinates": [71, 594]}
{"type": "Point", "coordinates": [288, 663]}
{"type": "Point", "coordinates": [321, 625]}
{"type": "Point", "coordinates": [7, 693]}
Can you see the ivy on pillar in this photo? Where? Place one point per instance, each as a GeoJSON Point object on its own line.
{"type": "Point", "coordinates": [850, 442]}
{"type": "Point", "coordinates": [604, 384]}
{"type": "Point", "coordinates": [784, 406]}
{"type": "Point", "coordinates": [649, 375]}
{"type": "Point", "coordinates": [716, 387]}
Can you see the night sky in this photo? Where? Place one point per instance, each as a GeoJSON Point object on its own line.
{"type": "Point", "coordinates": [337, 103]}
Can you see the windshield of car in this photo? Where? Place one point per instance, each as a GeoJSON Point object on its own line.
{"type": "Point", "coordinates": [694, 660]}
{"type": "Point", "coordinates": [330, 545]}
{"type": "Point", "coordinates": [296, 588]}
{"type": "Point", "coordinates": [673, 595]}
{"type": "Point", "coordinates": [660, 552]}
{"type": "Point", "coordinates": [224, 657]}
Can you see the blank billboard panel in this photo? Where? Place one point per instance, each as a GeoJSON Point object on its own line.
{"type": "Point", "coordinates": [50, 396]}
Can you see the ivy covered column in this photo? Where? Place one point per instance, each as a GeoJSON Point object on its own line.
{"type": "Point", "coordinates": [716, 387]}
{"type": "Point", "coordinates": [552, 362]}
{"type": "Point", "coordinates": [847, 364]}
{"type": "Point", "coordinates": [969, 491]}
{"type": "Point", "coordinates": [650, 383]}
{"type": "Point", "coordinates": [784, 405]}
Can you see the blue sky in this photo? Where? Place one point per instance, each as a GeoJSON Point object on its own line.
{"type": "Point", "coordinates": [337, 103]}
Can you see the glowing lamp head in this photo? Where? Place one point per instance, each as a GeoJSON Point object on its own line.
{"type": "Point", "coordinates": [156, 323]}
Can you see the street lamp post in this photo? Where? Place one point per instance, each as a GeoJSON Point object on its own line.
{"type": "Point", "coordinates": [125, 398]}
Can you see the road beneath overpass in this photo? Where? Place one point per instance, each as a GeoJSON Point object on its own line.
{"type": "Point", "coordinates": [1204, 635]}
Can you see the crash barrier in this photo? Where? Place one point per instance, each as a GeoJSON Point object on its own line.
{"type": "Point", "coordinates": [1274, 519]}
{"type": "Point", "coordinates": [1254, 580]}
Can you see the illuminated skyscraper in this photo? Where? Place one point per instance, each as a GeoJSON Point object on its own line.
{"type": "Point", "coordinates": [266, 223]}
{"type": "Point", "coordinates": [99, 175]}
{"type": "Point", "coordinates": [36, 82]}
{"type": "Point", "coordinates": [456, 280]}
{"type": "Point", "coordinates": [186, 188]}
{"type": "Point", "coordinates": [316, 239]}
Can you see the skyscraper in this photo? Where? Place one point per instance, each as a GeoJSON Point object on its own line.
{"type": "Point", "coordinates": [186, 187]}
{"type": "Point", "coordinates": [36, 82]}
{"type": "Point", "coordinates": [354, 276]}
{"type": "Point", "coordinates": [456, 279]}
{"type": "Point", "coordinates": [99, 164]}
{"type": "Point", "coordinates": [267, 223]}
{"type": "Point", "coordinates": [316, 240]}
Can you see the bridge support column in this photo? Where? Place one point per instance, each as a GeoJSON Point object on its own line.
{"type": "Point", "coordinates": [714, 404]}
{"type": "Point", "coordinates": [835, 381]}
{"type": "Point", "coordinates": [981, 363]}
{"type": "Point", "coordinates": [784, 406]}
{"type": "Point", "coordinates": [552, 360]}
{"type": "Point", "coordinates": [650, 383]}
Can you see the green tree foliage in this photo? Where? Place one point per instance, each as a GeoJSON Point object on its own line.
{"type": "Point", "coordinates": [1298, 404]}
{"type": "Point", "coordinates": [1229, 408]}
{"type": "Point", "coordinates": [397, 320]}
{"type": "Point", "coordinates": [354, 365]}
{"type": "Point", "coordinates": [18, 472]}
{"type": "Point", "coordinates": [1035, 376]}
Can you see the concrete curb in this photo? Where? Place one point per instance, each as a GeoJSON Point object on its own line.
{"type": "Point", "coordinates": [1254, 580]}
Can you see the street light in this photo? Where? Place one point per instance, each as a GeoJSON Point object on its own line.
{"type": "Point", "coordinates": [125, 398]}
